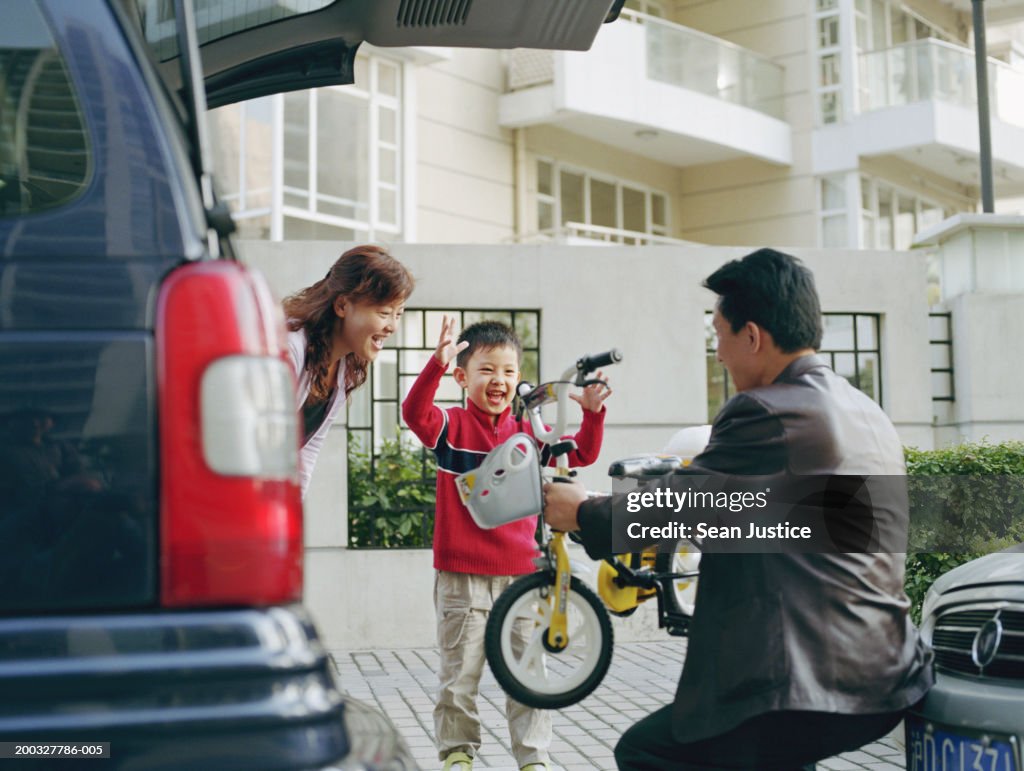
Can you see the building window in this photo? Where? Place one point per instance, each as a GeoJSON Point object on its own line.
{"type": "Point", "coordinates": [827, 62]}
{"type": "Point", "coordinates": [894, 73]}
{"type": "Point", "coordinates": [319, 164]}
{"type": "Point", "coordinates": [376, 428]}
{"type": "Point", "coordinates": [886, 23]}
{"type": "Point", "coordinates": [243, 142]}
{"type": "Point", "coordinates": [940, 343]}
{"type": "Point", "coordinates": [720, 387]}
{"type": "Point", "coordinates": [851, 346]}
{"type": "Point", "coordinates": [832, 210]}
{"type": "Point", "coordinates": [576, 202]}
{"type": "Point", "coordinates": [891, 216]}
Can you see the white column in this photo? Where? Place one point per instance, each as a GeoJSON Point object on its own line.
{"type": "Point", "coordinates": [408, 214]}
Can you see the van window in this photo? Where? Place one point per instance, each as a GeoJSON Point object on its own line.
{"type": "Point", "coordinates": [44, 150]}
{"type": "Point", "coordinates": [215, 19]}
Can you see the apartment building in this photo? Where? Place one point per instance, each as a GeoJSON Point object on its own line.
{"type": "Point", "coordinates": [811, 123]}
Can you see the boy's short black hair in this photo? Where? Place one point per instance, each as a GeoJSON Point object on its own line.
{"type": "Point", "coordinates": [487, 335]}
{"type": "Point", "coordinates": [774, 290]}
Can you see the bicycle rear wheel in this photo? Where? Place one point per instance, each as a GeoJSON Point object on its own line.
{"type": "Point", "coordinates": [516, 649]}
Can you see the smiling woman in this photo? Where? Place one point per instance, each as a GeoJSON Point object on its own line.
{"type": "Point", "coordinates": [337, 327]}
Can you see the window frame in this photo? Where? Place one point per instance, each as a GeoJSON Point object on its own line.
{"type": "Point", "coordinates": [716, 372]}
{"type": "Point", "coordinates": [554, 200]}
{"type": "Point", "coordinates": [869, 192]}
{"type": "Point", "coordinates": [373, 101]}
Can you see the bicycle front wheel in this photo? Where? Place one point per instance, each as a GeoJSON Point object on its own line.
{"type": "Point", "coordinates": [524, 666]}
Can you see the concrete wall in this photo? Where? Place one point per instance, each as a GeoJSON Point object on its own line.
{"type": "Point", "coordinates": [646, 301]}
{"type": "Point", "coordinates": [981, 281]}
{"type": "Point", "coordinates": [987, 369]}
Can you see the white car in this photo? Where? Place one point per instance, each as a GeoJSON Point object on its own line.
{"type": "Point", "coordinates": [973, 719]}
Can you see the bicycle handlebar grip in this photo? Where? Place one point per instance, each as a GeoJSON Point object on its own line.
{"type": "Point", "coordinates": [606, 359]}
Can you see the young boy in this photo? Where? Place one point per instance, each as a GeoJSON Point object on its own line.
{"type": "Point", "coordinates": [473, 565]}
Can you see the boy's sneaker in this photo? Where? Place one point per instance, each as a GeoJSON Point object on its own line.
{"type": "Point", "coordinates": [535, 767]}
{"type": "Point", "coordinates": [458, 761]}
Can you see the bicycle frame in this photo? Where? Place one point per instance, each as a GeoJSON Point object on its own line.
{"type": "Point", "coordinates": [558, 603]}
{"type": "Point", "coordinates": [558, 391]}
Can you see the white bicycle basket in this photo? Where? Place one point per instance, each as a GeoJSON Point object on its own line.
{"type": "Point", "coordinates": [506, 487]}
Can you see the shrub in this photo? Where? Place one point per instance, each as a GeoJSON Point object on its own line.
{"type": "Point", "coordinates": [390, 496]}
{"type": "Point", "coordinates": [965, 501]}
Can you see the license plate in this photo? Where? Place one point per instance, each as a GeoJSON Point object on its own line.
{"type": "Point", "coordinates": [935, 747]}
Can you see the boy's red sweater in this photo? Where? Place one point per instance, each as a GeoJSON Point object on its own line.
{"type": "Point", "coordinates": [461, 437]}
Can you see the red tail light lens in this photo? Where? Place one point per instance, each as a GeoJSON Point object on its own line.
{"type": "Point", "coordinates": [230, 505]}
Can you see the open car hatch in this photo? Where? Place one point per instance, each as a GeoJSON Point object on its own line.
{"type": "Point", "coordinates": [252, 48]}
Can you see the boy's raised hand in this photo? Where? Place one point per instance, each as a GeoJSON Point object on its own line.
{"type": "Point", "coordinates": [447, 349]}
{"type": "Point", "coordinates": [594, 395]}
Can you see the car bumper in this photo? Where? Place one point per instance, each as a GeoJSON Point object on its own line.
{"type": "Point", "coordinates": [975, 707]}
{"type": "Point", "coordinates": [222, 689]}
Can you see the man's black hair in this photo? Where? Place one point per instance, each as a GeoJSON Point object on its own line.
{"type": "Point", "coordinates": [775, 291]}
{"type": "Point", "coordinates": [486, 335]}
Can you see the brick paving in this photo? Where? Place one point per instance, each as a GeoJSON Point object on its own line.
{"type": "Point", "coordinates": [643, 676]}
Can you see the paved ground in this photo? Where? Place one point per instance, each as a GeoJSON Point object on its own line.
{"type": "Point", "coordinates": [642, 677]}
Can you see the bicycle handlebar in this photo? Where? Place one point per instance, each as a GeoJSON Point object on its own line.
{"type": "Point", "coordinates": [558, 390]}
{"type": "Point", "coordinates": [587, 364]}
{"type": "Point", "coordinates": [641, 466]}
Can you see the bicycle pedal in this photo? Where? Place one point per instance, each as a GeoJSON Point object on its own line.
{"type": "Point", "coordinates": [677, 625]}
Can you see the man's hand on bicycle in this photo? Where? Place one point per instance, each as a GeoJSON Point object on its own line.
{"type": "Point", "coordinates": [561, 504]}
{"type": "Point", "coordinates": [447, 349]}
{"type": "Point", "coordinates": [594, 395]}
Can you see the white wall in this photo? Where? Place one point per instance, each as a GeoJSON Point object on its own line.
{"type": "Point", "coordinates": [648, 302]}
{"type": "Point", "coordinates": [465, 181]}
{"type": "Point", "coordinates": [988, 369]}
{"type": "Point", "coordinates": [749, 201]}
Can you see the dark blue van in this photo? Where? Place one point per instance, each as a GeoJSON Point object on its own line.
{"type": "Point", "coordinates": [150, 518]}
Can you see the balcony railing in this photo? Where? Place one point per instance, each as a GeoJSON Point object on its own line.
{"type": "Point", "coordinates": [934, 69]}
{"type": "Point", "coordinates": [681, 57]}
{"type": "Point", "coordinates": [689, 59]}
{"type": "Point", "coordinates": [579, 233]}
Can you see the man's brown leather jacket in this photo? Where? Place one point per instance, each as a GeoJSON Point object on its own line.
{"type": "Point", "coordinates": [818, 631]}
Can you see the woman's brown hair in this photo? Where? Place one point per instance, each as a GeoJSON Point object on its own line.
{"type": "Point", "coordinates": [362, 274]}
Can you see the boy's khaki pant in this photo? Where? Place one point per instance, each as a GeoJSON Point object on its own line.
{"type": "Point", "coordinates": [463, 602]}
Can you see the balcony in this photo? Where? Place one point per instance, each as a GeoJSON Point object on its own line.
{"type": "Point", "coordinates": [656, 89]}
{"type": "Point", "coordinates": [919, 102]}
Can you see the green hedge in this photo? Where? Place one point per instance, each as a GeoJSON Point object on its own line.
{"type": "Point", "coordinates": [965, 501]}
{"type": "Point", "coordinates": [390, 497]}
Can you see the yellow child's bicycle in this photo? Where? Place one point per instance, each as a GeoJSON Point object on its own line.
{"type": "Point", "coordinates": [549, 636]}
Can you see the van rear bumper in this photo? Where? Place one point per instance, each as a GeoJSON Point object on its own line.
{"type": "Point", "coordinates": [226, 689]}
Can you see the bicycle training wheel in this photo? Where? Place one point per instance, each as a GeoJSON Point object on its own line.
{"type": "Point", "coordinates": [524, 666]}
{"type": "Point", "coordinates": [684, 559]}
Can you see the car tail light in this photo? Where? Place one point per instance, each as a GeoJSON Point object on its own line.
{"type": "Point", "coordinates": [247, 411]}
{"type": "Point", "coordinates": [230, 505]}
